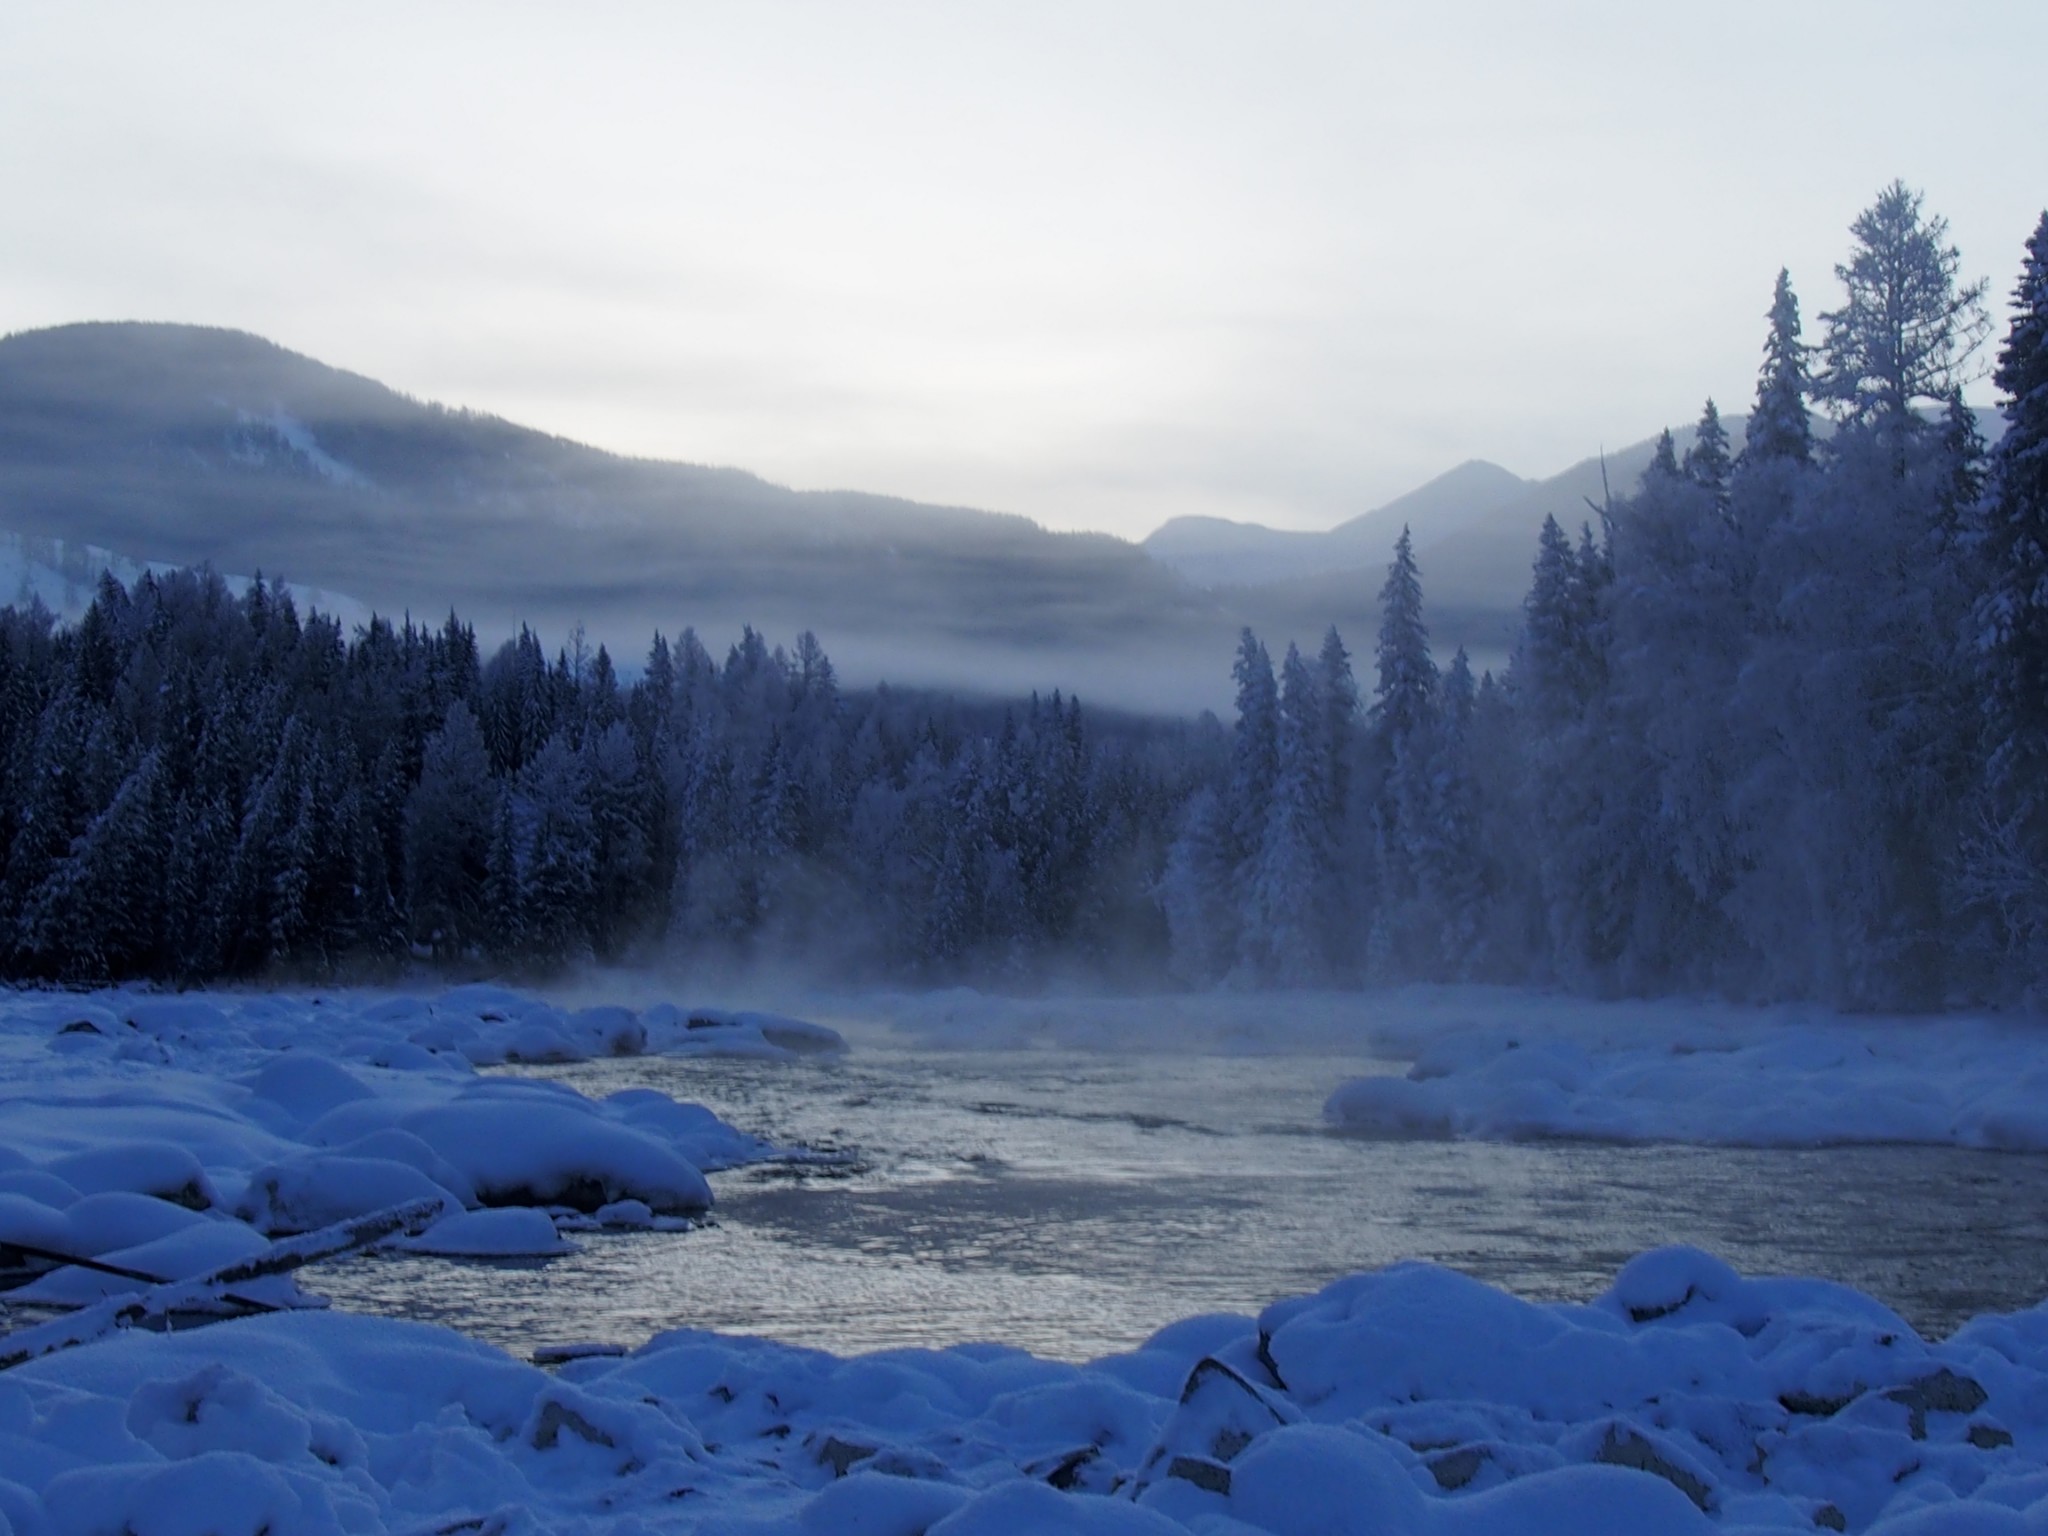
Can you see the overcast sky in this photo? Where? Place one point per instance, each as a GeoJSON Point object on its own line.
{"type": "Point", "coordinates": [1099, 263]}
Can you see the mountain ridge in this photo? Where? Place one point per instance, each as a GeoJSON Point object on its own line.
{"type": "Point", "coordinates": [186, 445]}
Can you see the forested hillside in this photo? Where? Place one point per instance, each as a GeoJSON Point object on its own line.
{"type": "Point", "coordinates": [1777, 728]}
{"type": "Point", "coordinates": [188, 445]}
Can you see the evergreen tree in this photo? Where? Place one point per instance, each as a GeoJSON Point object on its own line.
{"type": "Point", "coordinates": [1405, 700]}
{"type": "Point", "coordinates": [1552, 671]}
{"type": "Point", "coordinates": [1254, 750]}
{"type": "Point", "coordinates": [2010, 620]}
{"type": "Point", "coordinates": [1707, 461]}
{"type": "Point", "coordinates": [1338, 689]}
{"type": "Point", "coordinates": [557, 854]}
{"type": "Point", "coordinates": [1964, 461]}
{"type": "Point", "coordinates": [1778, 427]}
{"type": "Point", "coordinates": [449, 826]}
{"type": "Point", "coordinates": [1908, 325]}
{"type": "Point", "coordinates": [1289, 878]}
{"type": "Point", "coordinates": [1664, 461]}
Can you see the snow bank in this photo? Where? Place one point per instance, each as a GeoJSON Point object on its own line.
{"type": "Point", "coordinates": [1408, 1402]}
{"type": "Point", "coordinates": [1497, 1063]}
{"type": "Point", "coordinates": [1706, 1075]}
{"type": "Point", "coordinates": [164, 1137]}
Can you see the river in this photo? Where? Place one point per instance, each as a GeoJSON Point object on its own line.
{"type": "Point", "coordinates": [1071, 1203]}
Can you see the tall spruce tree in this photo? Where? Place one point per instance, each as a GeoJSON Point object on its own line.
{"type": "Point", "coordinates": [1707, 461]}
{"type": "Point", "coordinates": [2011, 613]}
{"type": "Point", "coordinates": [1405, 699]}
{"type": "Point", "coordinates": [1908, 325]}
{"type": "Point", "coordinates": [1338, 689]}
{"type": "Point", "coordinates": [1289, 878]}
{"type": "Point", "coordinates": [1254, 748]}
{"type": "Point", "coordinates": [1778, 427]}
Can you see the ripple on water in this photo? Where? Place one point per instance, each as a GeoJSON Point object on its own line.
{"type": "Point", "coordinates": [1072, 1206]}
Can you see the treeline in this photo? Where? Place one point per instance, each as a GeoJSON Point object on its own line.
{"type": "Point", "coordinates": [1778, 728]}
{"type": "Point", "coordinates": [200, 785]}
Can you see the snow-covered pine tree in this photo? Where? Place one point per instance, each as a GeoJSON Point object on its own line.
{"type": "Point", "coordinates": [1550, 674]}
{"type": "Point", "coordinates": [1908, 324]}
{"type": "Point", "coordinates": [1404, 713]}
{"type": "Point", "coordinates": [1778, 427]}
{"type": "Point", "coordinates": [1254, 758]}
{"type": "Point", "coordinates": [1455, 879]}
{"type": "Point", "coordinates": [1707, 461]}
{"type": "Point", "coordinates": [1664, 460]}
{"type": "Point", "coordinates": [557, 847]}
{"type": "Point", "coordinates": [449, 824]}
{"type": "Point", "coordinates": [621, 808]}
{"type": "Point", "coordinates": [1290, 875]}
{"type": "Point", "coordinates": [1404, 702]}
{"type": "Point", "coordinates": [1965, 472]}
{"type": "Point", "coordinates": [1338, 688]}
{"type": "Point", "coordinates": [2009, 859]}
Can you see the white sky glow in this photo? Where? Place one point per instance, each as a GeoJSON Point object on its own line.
{"type": "Point", "coordinates": [1097, 263]}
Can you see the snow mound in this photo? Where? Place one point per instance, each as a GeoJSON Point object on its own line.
{"type": "Point", "coordinates": [1705, 1076]}
{"type": "Point", "coordinates": [175, 1135]}
{"type": "Point", "coordinates": [1686, 1400]}
{"type": "Point", "coordinates": [497, 1234]}
{"type": "Point", "coordinates": [529, 1149]}
{"type": "Point", "coordinates": [717, 1032]}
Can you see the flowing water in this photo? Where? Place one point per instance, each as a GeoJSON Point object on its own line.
{"type": "Point", "coordinates": [1073, 1203]}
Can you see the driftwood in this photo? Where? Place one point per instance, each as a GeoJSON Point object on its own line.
{"type": "Point", "coordinates": [160, 1301]}
{"type": "Point", "coordinates": [121, 1272]}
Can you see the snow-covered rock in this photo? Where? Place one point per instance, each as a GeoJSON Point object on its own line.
{"type": "Point", "coordinates": [1705, 1076]}
{"type": "Point", "coordinates": [1411, 1402]}
{"type": "Point", "coordinates": [176, 1135]}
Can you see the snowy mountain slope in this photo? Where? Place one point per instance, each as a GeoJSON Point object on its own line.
{"type": "Point", "coordinates": [63, 576]}
{"type": "Point", "coordinates": [184, 444]}
{"type": "Point", "coordinates": [180, 445]}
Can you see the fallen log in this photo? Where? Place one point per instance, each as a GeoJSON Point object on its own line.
{"type": "Point", "coordinates": [160, 1301]}
{"type": "Point", "coordinates": [59, 1260]}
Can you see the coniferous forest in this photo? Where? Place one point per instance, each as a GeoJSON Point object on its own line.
{"type": "Point", "coordinates": [1776, 728]}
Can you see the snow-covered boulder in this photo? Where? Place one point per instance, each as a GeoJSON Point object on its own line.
{"type": "Point", "coordinates": [718, 1032]}
{"type": "Point", "coordinates": [322, 1188]}
{"type": "Point", "coordinates": [525, 1148]}
{"type": "Point", "coordinates": [510, 1233]}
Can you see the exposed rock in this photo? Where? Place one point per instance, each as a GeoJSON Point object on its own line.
{"type": "Point", "coordinates": [1203, 1474]}
{"type": "Point", "coordinates": [842, 1456]}
{"type": "Point", "coordinates": [557, 1416]}
{"type": "Point", "coordinates": [1455, 1469]}
{"type": "Point", "coordinates": [1064, 1470]}
{"type": "Point", "coordinates": [1942, 1391]}
{"type": "Point", "coordinates": [1625, 1447]}
{"type": "Point", "coordinates": [1815, 1405]}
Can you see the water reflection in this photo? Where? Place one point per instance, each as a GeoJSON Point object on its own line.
{"type": "Point", "coordinates": [1072, 1205]}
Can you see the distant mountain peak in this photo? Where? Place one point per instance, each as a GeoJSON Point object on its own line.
{"type": "Point", "coordinates": [1215, 552]}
